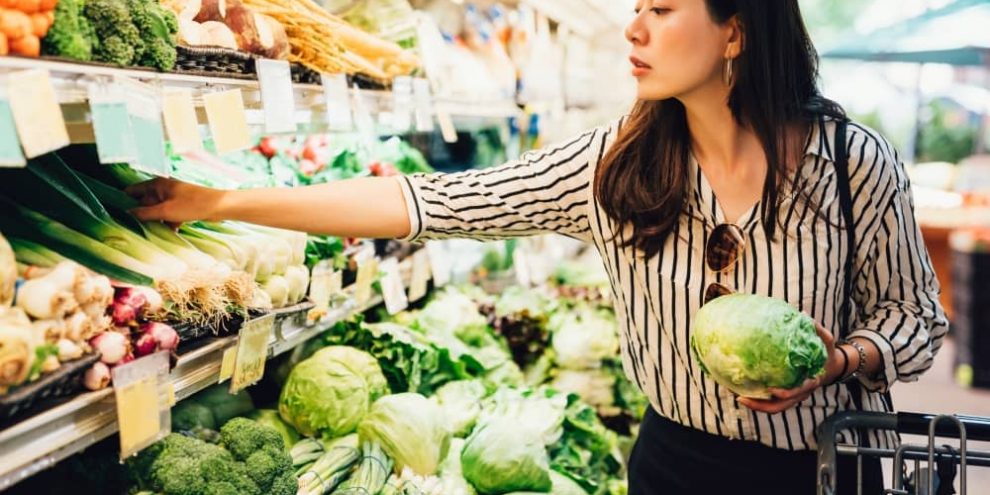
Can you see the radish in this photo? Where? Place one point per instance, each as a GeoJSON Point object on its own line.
{"type": "Point", "coordinates": [97, 377]}
{"type": "Point", "coordinates": [113, 346]}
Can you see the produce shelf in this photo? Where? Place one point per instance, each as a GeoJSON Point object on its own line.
{"type": "Point", "coordinates": [71, 81]}
{"type": "Point", "coordinates": [44, 439]}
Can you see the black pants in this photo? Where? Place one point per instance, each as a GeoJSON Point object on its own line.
{"type": "Point", "coordinates": [670, 459]}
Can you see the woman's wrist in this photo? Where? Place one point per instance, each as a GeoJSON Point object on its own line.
{"type": "Point", "coordinates": [840, 367]}
{"type": "Point", "coordinates": [222, 205]}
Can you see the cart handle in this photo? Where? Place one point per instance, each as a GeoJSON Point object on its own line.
{"type": "Point", "coordinates": [977, 428]}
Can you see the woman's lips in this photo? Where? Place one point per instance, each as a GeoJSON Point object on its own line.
{"type": "Point", "coordinates": [640, 68]}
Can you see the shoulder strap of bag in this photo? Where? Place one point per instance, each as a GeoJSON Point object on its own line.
{"type": "Point", "coordinates": [845, 202]}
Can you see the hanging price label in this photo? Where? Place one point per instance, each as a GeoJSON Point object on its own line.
{"type": "Point", "coordinates": [227, 364]}
{"type": "Point", "coordinates": [367, 271]}
{"type": "Point", "coordinates": [447, 129]}
{"type": "Point", "coordinates": [277, 98]}
{"type": "Point", "coordinates": [141, 389]}
{"type": "Point", "coordinates": [402, 100]}
{"type": "Point", "coordinates": [37, 114]}
{"type": "Point", "coordinates": [228, 121]}
{"type": "Point", "coordinates": [393, 291]}
{"type": "Point", "coordinates": [111, 123]}
{"type": "Point", "coordinates": [320, 285]}
{"type": "Point", "coordinates": [439, 263]}
{"type": "Point", "coordinates": [180, 120]}
{"type": "Point", "coordinates": [364, 120]}
{"type": "Point", "coordinates": [252, 352]}
{"type": "Point", "coordinates": [420, 275]}
{"type": "Point", "coordinates": [520, 264]}
{"type": "Point", "coordinates": [10, 147]}
{"type": "Point", "coordinates": [424, 105]}
{"type": "Point", "coordinates": [145, 109]}
{"type": "Point", "coordinates": [338, 96]}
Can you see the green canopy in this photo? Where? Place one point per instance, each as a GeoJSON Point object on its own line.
{"type": "Point", "coordinates": [957, 34]}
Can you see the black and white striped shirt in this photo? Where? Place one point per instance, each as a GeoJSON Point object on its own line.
{"type": "Point", "coordinates": [895, 290]}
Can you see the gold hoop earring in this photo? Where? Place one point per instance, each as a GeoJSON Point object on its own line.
{"type": "Point", "coordinates": [727, 72]}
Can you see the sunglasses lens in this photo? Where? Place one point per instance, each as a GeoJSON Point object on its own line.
{"type": "Point", "coordinates": [716, 290]}
{"type": "Point", "coordinates": [724, 248]}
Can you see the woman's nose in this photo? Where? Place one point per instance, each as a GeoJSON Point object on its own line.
{"type": "Point", "coordinates": [635, 33]}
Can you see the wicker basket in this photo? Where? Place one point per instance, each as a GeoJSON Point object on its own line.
{"type": "Point", "coordinates": [64, 381]}
{"type": "Point", "coordinates": [211, 61]}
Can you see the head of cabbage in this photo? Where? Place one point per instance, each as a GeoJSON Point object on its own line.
{"type": "Point", "coordinates": [500, 457]}
{"type": "Point", "coordinates": [410, 429]}
{"type": "Point", "coordinates": [329, 393]}
{"type": "Point", "coordinates": [751, 343]}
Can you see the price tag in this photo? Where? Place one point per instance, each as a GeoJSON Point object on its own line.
{"type": "Point", "coordinates": [10, 147]}
{"type": "Point", "coordinates": [364, 120]}
{"type": "Point", "coordinates": [402, 100]}
{"type": "Point", "coordinates": [439, 263]}
{"type": "Point", "coordinates": [37, 114]}
{"type": "Point", "coordinates": [520, 264]}
{"type": "Point", "coordinates": [228, 121]}
{"type": "Point", "coordinates": [420, 275]}
{"type": "Point", "coordinates": [141, 390]}
{"type": "Point", "coordinates": [145, 109]}
{"type": "Point", "coordinates": [111, 123]}
{"type": "Point", "coordinates": [447, 129]}
{"type": "Point", "coordinates": [252, 352]}
{"type": "Point", "coordinates": [227, 364]}
{"type": "Point", "coordinates": [277, 99]}
{"type": "Point", "coordinates": [320, 285]}
{"type": "Point", "coordinates": [180, 120]}
{"type": "Point", "coordinates": [366, 273]}
{"type": "Point", "coordinates": [339, 116]}
{"type": "Point", "coordinates": [424, 105]}
{"type": "Point", "coordinates": [393, 291]}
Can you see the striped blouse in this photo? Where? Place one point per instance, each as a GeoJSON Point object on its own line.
{"type": "Point", "coordinates": [895, 292]}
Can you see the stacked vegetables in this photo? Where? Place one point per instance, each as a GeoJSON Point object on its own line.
{"type": "Point", "coordinates": [229, 24]}
{"type": "Point", "coordinates": [87, 221]}
{"type": "Point", "coordinates": [121, 32]}
{"type": "Point", "coordinates": [326, 43]}
{"type": "Point", "coordinates": [58, 311]}
{"type": "Point", "coordinates": [23, 24]}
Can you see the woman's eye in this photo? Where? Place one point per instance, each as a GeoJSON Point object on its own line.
{"type": "Point", "coordinates": [659, 10]}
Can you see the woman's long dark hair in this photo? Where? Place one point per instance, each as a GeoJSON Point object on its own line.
{"type": "Point", "coordinates": [643, 179]}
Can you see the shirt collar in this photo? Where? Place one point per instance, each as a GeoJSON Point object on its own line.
{"type": "Point", "coordinates": [820, 139]}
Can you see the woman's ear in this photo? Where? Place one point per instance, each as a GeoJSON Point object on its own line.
{"type": "Point", "coordinates": [736, 37]}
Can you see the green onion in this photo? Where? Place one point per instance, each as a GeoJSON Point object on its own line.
{"type": "Point", "coordinates": [370, 475]}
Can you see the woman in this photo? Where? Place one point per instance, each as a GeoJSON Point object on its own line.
{"type": "Point", "coordinates": [724, 172]}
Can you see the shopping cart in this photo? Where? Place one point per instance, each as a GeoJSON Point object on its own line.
{"type": "Point", "coordinates": [932, 464]}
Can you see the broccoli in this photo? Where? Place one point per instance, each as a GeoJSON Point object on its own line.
{"type": "Point", "coordinates": [190, 415]}
{"type": "Point", "coordinates": [251, 461]}
{"type": "Point", "coordinates": [263, 452]}
{"type": "Point", "coordinates": [243, 437]}
{"type": "Point", "coordinates": [158, 27]}
{"type": "Point", "coordinates": [71, 35]}
{"type": "Point", "coordinates": [180, 465]}
{"type": "Point", "coordinates": [120, 41]}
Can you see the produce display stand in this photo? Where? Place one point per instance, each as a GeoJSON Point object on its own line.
{"type": "Point", "coordinates": [40, 441]}
{"type": "Point", "coordinates": [71, 80]}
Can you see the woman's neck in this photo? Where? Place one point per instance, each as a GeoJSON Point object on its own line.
{"type": "Point", "coordinates": [717, 139]}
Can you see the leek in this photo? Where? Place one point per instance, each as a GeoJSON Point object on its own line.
{"type": "Point", "coordinates": [49, 187]}
{"type": "Point", "coordinates": [35, 227]}
{"type": "Point", "coordinates": [32, 253]}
